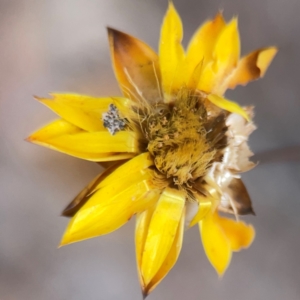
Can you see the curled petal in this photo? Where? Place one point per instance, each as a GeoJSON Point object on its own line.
{"type": "Point", "coordinates": [252, 66]}
{"type": "Point", "coordinates": [161, 232]}
{"type": "Point", "coordinates": [227, 105]}
{"type": "Point", "coordinates": [111, 207]}
{"type": "Point", "coordinates": [171, 53]}
{"type": "Point", "coordinates": [95, 146]}
{"type": "Point", "coordinates": [205, 206]}
{"type": "Point", "coordinates": [136, 67]}
{"type": "Point", "coordinates": [84, 112]}
{"type": "Point", "coordinates": [239, 234]}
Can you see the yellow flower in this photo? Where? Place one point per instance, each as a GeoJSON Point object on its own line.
{"type": "Point", "coordinates": [173, 146]}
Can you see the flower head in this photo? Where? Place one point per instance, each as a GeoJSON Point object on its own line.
{"type": "Point", "coordinates": [173, 146]}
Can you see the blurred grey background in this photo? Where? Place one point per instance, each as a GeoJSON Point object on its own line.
{"type": "Point", "coordinates": [61, 45]}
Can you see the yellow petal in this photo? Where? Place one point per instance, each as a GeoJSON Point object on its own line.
{"type": "Point", "coordinates": [239, 234]}
{"type": "Point", "coordinates": [201, 46]}
{"type": "Point", "coordinates": [227, 49]}
{"type": "Point", "coordinates": [110, 208]}
{"type": "Point", "coordinates": [85, 194]}
{"type": "Point", "coordinates": [136, 67]}
{"type": "Point", "coordinates": [141, 230]}
{"type": "Point", "coordinates": [134, 165]}
{"type": "Point", "coordinates": [84, 112]}
{"type": "Point", "coordinates": [227, 105]}
{"type": "Point", "coordinates": [252, 66]}
{"type": "Point", "coordinates": [194, 77]}
{"type": "Point", "coordinates": [205, 206]}
{"type": "Point", "coordinates": [215, 243]}
{"type": "Point", "coordinates": [161, 232]}
{"type": "Point", "coordinates": [54, 129]}
{"type": "Point", "coordinates": [171, 53]}
{"type": "Point", "coordinates": [170, 259]}
{"type": "Point", "coordinates": [225, 58]}
{"type": "Point", "coordinates": [95, 146]}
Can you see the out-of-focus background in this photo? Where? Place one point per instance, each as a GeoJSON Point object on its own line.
{"type": "Point", "coordinates": [61, 45]}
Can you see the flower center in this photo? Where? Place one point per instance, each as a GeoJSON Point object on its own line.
{"type": "Point", "coordinates": [177, 138]}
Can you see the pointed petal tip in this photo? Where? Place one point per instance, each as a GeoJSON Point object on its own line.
{"type": "Point", "coordinates": [64, 242]}
{"type": "Point", "coordinates": [221, 273]}
{"type": "Point", "coordinates": [114, 35]}
{"type": "Point", "coordinates": [145, 294]}
{"type": "Point", "coordinates": [43, 99]}
{"type": "Point", "coordinates": [31, 139]}
{"type": "Point", "coordinates": [66, 213]}
{"type": "Point", "coordinates": [111, 30]}
{"type": "Point", "coordinates": [219, 16]}
{"type": "Point", "coordinates": [234, 22]}
{"type": "Point", "coordinates": [37, 98]}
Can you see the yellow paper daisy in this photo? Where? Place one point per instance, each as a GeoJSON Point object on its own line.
{"type": "Point", "coordinates": [173, 146]}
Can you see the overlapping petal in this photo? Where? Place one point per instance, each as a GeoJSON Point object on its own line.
{"type": "Point", "coordinates": [225, 57]}
{"type": "Point", "coordinates": [161, 233]}
{"type": "Point", "coordinates": [200, 49]}
{"type": "Point", "coordinates": [239, 234]}
{"type": "Point", "coordinates": [170, 259]}
{"type": "Point", "coordinates": [227, 105]}
{"type": "Point", "coordinates": [220, 236]}
{"type": "Point", "coordinates": [62, 136]}
{"type": "Point", "coordinates": [111, 207]}
{"type": "Point", "coordinates": [87, 192]}
{"type": "Point", "coordinates": [204, 207]}
{"type": "Point", "coordinates": [138, 163]}
{"type": "Point", "coordinates": [136, 67]}
{"type": "Point", "coordinates": [82, 111]}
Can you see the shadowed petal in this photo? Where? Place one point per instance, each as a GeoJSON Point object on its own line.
{"type": "Point", "coordinates": [111, 207]}
{"type": "Point", "coordinates": [171, 53]}
{"type": "Point", "coordinates": [161, 232]}
{"type": "Point", "coordinates": [136, 67]}
{"type": "Point", "coordinates": [240, 197]}
{"type": "Point", "coordinates": [252, 66]}
{"type": "Point", "coordinates": [86, 193]}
